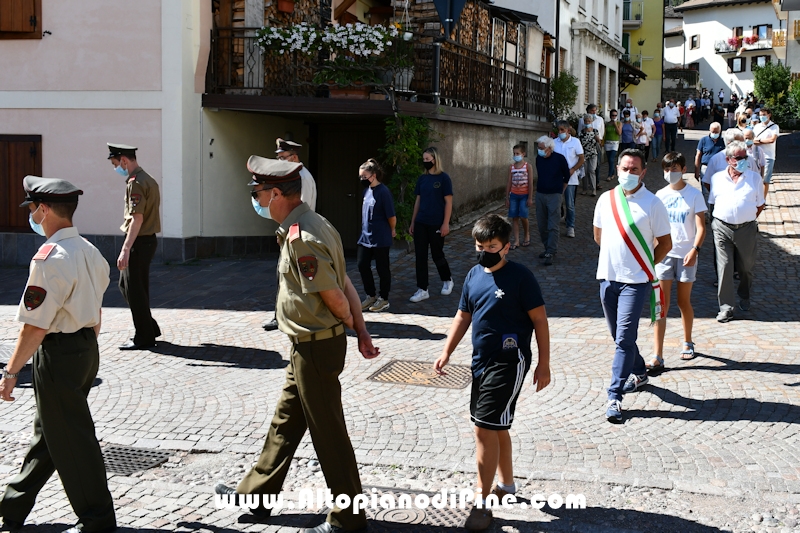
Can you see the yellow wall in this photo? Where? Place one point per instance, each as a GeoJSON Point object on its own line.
{"type": "Point", "coordinates": [648, 92]}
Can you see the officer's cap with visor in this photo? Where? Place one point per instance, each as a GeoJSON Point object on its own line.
{"type": "Point", "coordinates": [49, 190]}
{"type": "Point", "coordinates": [272, 172]}
{"type": "Point", "coordinates": [115, 150]}
{"type": "Point", "coordinates": [286, 146]}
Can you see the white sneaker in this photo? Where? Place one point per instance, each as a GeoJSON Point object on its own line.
{"type": "Point", "coordinates": [419, 296]}
{"type": "Point", "coordinates": [447, 288]}
{"type": "Point", "coordinates": [379, 305]}
{"type": "Point", "coordinates": [367, 302]}
{"type": "Point", "coordinates": [571, 232]}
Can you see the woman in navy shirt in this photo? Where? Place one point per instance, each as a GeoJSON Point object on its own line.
{"type": "Point", "coordinates": [377, 231]}
{"type": "Point", "coordinates": [430, 223]}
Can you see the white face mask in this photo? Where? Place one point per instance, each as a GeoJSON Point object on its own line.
{"type": "Point", "coordinates": [673, 177]}
{"type": "Point", "coordinates": [627, 180]}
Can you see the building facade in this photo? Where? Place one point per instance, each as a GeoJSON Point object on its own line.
{"type": "Point", "coordinates": [725, 40]}
{"type": "Point", "coordinates": [642, 38]}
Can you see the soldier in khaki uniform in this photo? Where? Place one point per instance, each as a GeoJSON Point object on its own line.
{"type": "Point", "coordinates": [60, 312]}
{"type": "Point", "coordinates": [142, 222]}
{"type": "Point", "coordinates": [316, 301]}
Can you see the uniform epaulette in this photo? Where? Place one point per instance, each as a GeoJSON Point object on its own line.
{"type": "Point", "coordinates": [132, 178]}
{"type": "Point", "coordinates": [44, 252]}
{"type": "Point", "coordinates": [294, 232]}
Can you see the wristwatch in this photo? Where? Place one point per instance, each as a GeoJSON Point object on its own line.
{"type": "Point", "coordinates": [696, 248]}
{"type": "Point", "coordinates": [9, 375]}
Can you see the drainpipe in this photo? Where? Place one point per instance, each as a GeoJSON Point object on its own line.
{"type": "Point", "coordinates": [558, 36]}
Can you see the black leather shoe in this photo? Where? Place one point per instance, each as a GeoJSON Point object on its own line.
{"type": "Point", "coordinates": [259, 512]}
{"type": "Point", "coordinates": [327, 527]}
{"type": "Point", "coordinates": [272, 325]}
{"type": "Point", "coordinates": [11, 526]}
{"type": "Point", "coordinates": [130, 345]}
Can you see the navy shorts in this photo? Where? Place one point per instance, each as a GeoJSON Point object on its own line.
{"type": "Point", "coordinates": [495, 391]}
{"type": "Point", "coordinates": [517, 205]}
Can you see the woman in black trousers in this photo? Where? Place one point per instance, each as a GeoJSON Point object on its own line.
{"type": "Point", "coordinates": [377, 231]}
{"type": "Point", "coordinates": [430, 223]}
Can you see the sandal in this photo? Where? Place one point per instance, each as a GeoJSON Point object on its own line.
{"type": "Point", "coordinates": [656, 368]}
{"type": "Point", "coordinates": [688, 351]}
{"type": "Point", "coordinates": [609, 179]}
{"type": "Point", "coordinates": [514, 247]}
{"type": "Point", "coordinates": [527, 243]}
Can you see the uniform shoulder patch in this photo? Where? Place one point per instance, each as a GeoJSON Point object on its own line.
{"type": "Point", "coordinates": [294, 232]}
{"type": "Point", "coordinates": [132, 178]}
{"type": "Point", "coordinates": [135, 199]}
{"type": "Point", "coordinates": [307, 266]}
{"type": "Point", "coordinates": [44, 252]}
{"type": "Point", "coordinates": [34, 296]}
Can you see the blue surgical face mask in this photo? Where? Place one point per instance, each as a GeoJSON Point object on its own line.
{"type": "Point", "coordinates": [562, 136]}
{"type": "Point", "coordinates": [517, 158]}
{"type": "Point", "coordinates": [121, 171]}
{"type": "Point", "coordinates": [541, 152]}
{"type": "Point", "coordinates": [741, 165]}
{"type": "Point", "coordinates": [261, 211]}
{"type": "Point", "coordinates": [763, 118]}
{"type": "Point", "coordinates": [34, 226]}
{"type": "Point", "coordinates": [627, 180]}
{"type": "Point", "coordinates": [715, 135]}
{"type": "Point", "coordinates": [657, 115]}
{"type": "Point", "coordinates": [749, 142]}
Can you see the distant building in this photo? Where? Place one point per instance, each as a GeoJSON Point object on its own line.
{"type": "Point", "coordinates": [788, 11]}
{"type": "Point", "coordinates": [643, 27]}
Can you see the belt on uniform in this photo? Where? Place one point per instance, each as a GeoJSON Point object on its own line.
{"type": "Point", "coordinates": [319, 335]}
{"type": "Point", "coordinates": [64, 335]}
{"type": "Point", "coordinates": [735, 226]}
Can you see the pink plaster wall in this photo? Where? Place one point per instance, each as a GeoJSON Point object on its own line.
{"type": "Point", "coordinates": [74, 149]}
{"type": "Point", "coordinates": [94, 44]}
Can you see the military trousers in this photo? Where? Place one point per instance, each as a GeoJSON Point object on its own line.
{"type": "Point", "coordinates": [134, 284]}
{"type": "Point", "coordinates": [64, 368]}
{"type": "Point", "coordinates": [311, 399]}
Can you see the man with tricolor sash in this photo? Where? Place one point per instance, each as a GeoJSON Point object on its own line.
{"type": "Point", "coordinates": [632, 228]}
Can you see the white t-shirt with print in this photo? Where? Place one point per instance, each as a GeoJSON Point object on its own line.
{"type": "Point", "coordinates": [616, 262]}
{"type": "Point", "coordinates": [764, 130]}
{"type": "Point", "coordinates": [682, 206]}
{"type": "Point", "coordinates": [571, 149]}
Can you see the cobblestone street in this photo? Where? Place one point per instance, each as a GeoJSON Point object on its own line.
{"type": "Point", "coordinates": [711, 444]}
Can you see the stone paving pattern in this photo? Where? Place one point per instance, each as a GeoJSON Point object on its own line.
{"type": "Point", "coordinates": [724, 425]}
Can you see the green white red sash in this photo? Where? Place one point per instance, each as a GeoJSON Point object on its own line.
{"type": "Point", "coordinates": [639, 248]}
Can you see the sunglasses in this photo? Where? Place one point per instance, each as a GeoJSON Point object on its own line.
{"type": "Point", "coordinates": [739, 157]}
{"type": "Point", "coordinates": [254, 194]}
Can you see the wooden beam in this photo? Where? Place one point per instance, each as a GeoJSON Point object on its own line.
{"type": "Point", "coordinates": [341, 8]}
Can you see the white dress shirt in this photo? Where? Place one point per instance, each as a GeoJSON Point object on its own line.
{"type": "Point", "coordinates": [571, 149]}
{"type": "Point", "coordinates": [736, 203]}
{"type": "Point", "coordinates": [719, 162]}
{"type": "Point", "coordinates": [671, 115]}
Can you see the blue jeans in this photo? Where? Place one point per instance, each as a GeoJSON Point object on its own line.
{"type": "Point", "coordinates": [548, 213]}
{"type": "Point", "coordinates": [569, 197]}
{"type": "Point", "coordinates": [622, 306]}
{"type": "Point", "coordinates": [768, 168]}
{"type": "Point", "coordinates": [517, 205]}
{"type": "Point", "coordinates": [612, 163]}
{"type": "Point", "coordinates": [655, 145]}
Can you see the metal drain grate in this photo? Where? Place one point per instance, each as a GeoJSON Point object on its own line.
{"type": "Point", "coordinates": [126, 461]}
{"type": "Point", "coordinates": [416, 373]}
{"type": "Point", "coordinates": [413, 519]}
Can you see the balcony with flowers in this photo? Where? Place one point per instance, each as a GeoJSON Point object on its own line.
{"type": "Point", "coordinates": [739, 44]}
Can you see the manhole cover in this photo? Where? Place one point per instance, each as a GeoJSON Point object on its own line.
{"type": "Point", "coordinates": [404, 516]}
{"type": "Point", "coordinates": [416, 373]}
{"type": "Point", "coordinates": [126, 461]}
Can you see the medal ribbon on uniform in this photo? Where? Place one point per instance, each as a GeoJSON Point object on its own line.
{"type": "Point", "coordinates": [620, 203]}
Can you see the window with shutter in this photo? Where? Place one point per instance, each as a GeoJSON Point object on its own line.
{"type": "Point", "coordinates": [20, 155]}
{"type": "Point", "coordinates": [20, 19]}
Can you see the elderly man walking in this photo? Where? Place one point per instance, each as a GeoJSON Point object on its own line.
{"type": "Point", "coordinates": [554, 174]}
{"type": "Point", "coordinates": [737, 195]}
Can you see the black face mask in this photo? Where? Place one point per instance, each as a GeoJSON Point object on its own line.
{"type": "Point", "coordinates": [427, 164]}
{"type": "Point", "coordinates": [364, 183]}
{"type": "Point", "coordinates": [488, 259]}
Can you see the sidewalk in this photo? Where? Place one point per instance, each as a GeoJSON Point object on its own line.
{"type": "Point", "coordinates": [708, 445]}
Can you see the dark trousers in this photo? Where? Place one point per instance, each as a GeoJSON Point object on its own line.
{"type": "Point", "coordinates": [134, 284]}
{"type": "Point", "coordinates": [381, 256]}
{"type": "Point", "coordinates": [64, 368]}
{"type": "Point", "coordinates": [311, 399]}
{"type": "Point", "coordinates": [622, 307]}
{"type": "Point", "coordinates": [426, 235]}
{"type": "Point", "coordinates": [670, 137]}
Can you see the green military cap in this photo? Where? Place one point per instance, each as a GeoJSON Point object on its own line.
{"type": "Point", "coordinates": [118, 150]}
{"type": "Point", "coordinates": [286, 146]}
{"type": "Point", "coordinates": [39, 189]}
{"type": "Point", "coordinates": [272, 171]}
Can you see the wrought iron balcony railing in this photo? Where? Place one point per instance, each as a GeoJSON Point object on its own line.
{"type": "Point", "coordinates": [468, 79]}
{"type": "Point", "coordinates": [633, 59]}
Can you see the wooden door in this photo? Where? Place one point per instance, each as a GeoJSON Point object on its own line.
{"type": "Point", "coordinates": [341, 148]}
{"type": "Point", "coordinates": [20, 155]}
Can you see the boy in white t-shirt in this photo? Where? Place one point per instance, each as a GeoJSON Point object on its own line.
{"type": "Point", "coordinates": [687, 211]}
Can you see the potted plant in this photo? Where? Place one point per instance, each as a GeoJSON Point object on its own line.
{"type": "Point", "coordinates": [286, 6]}
{"type": "Point", "coordinates": [347, 78]}
{"type": "Point", "coordinates": [751, 40]}
{"type": "Point", "coordinates": [735, 42]}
